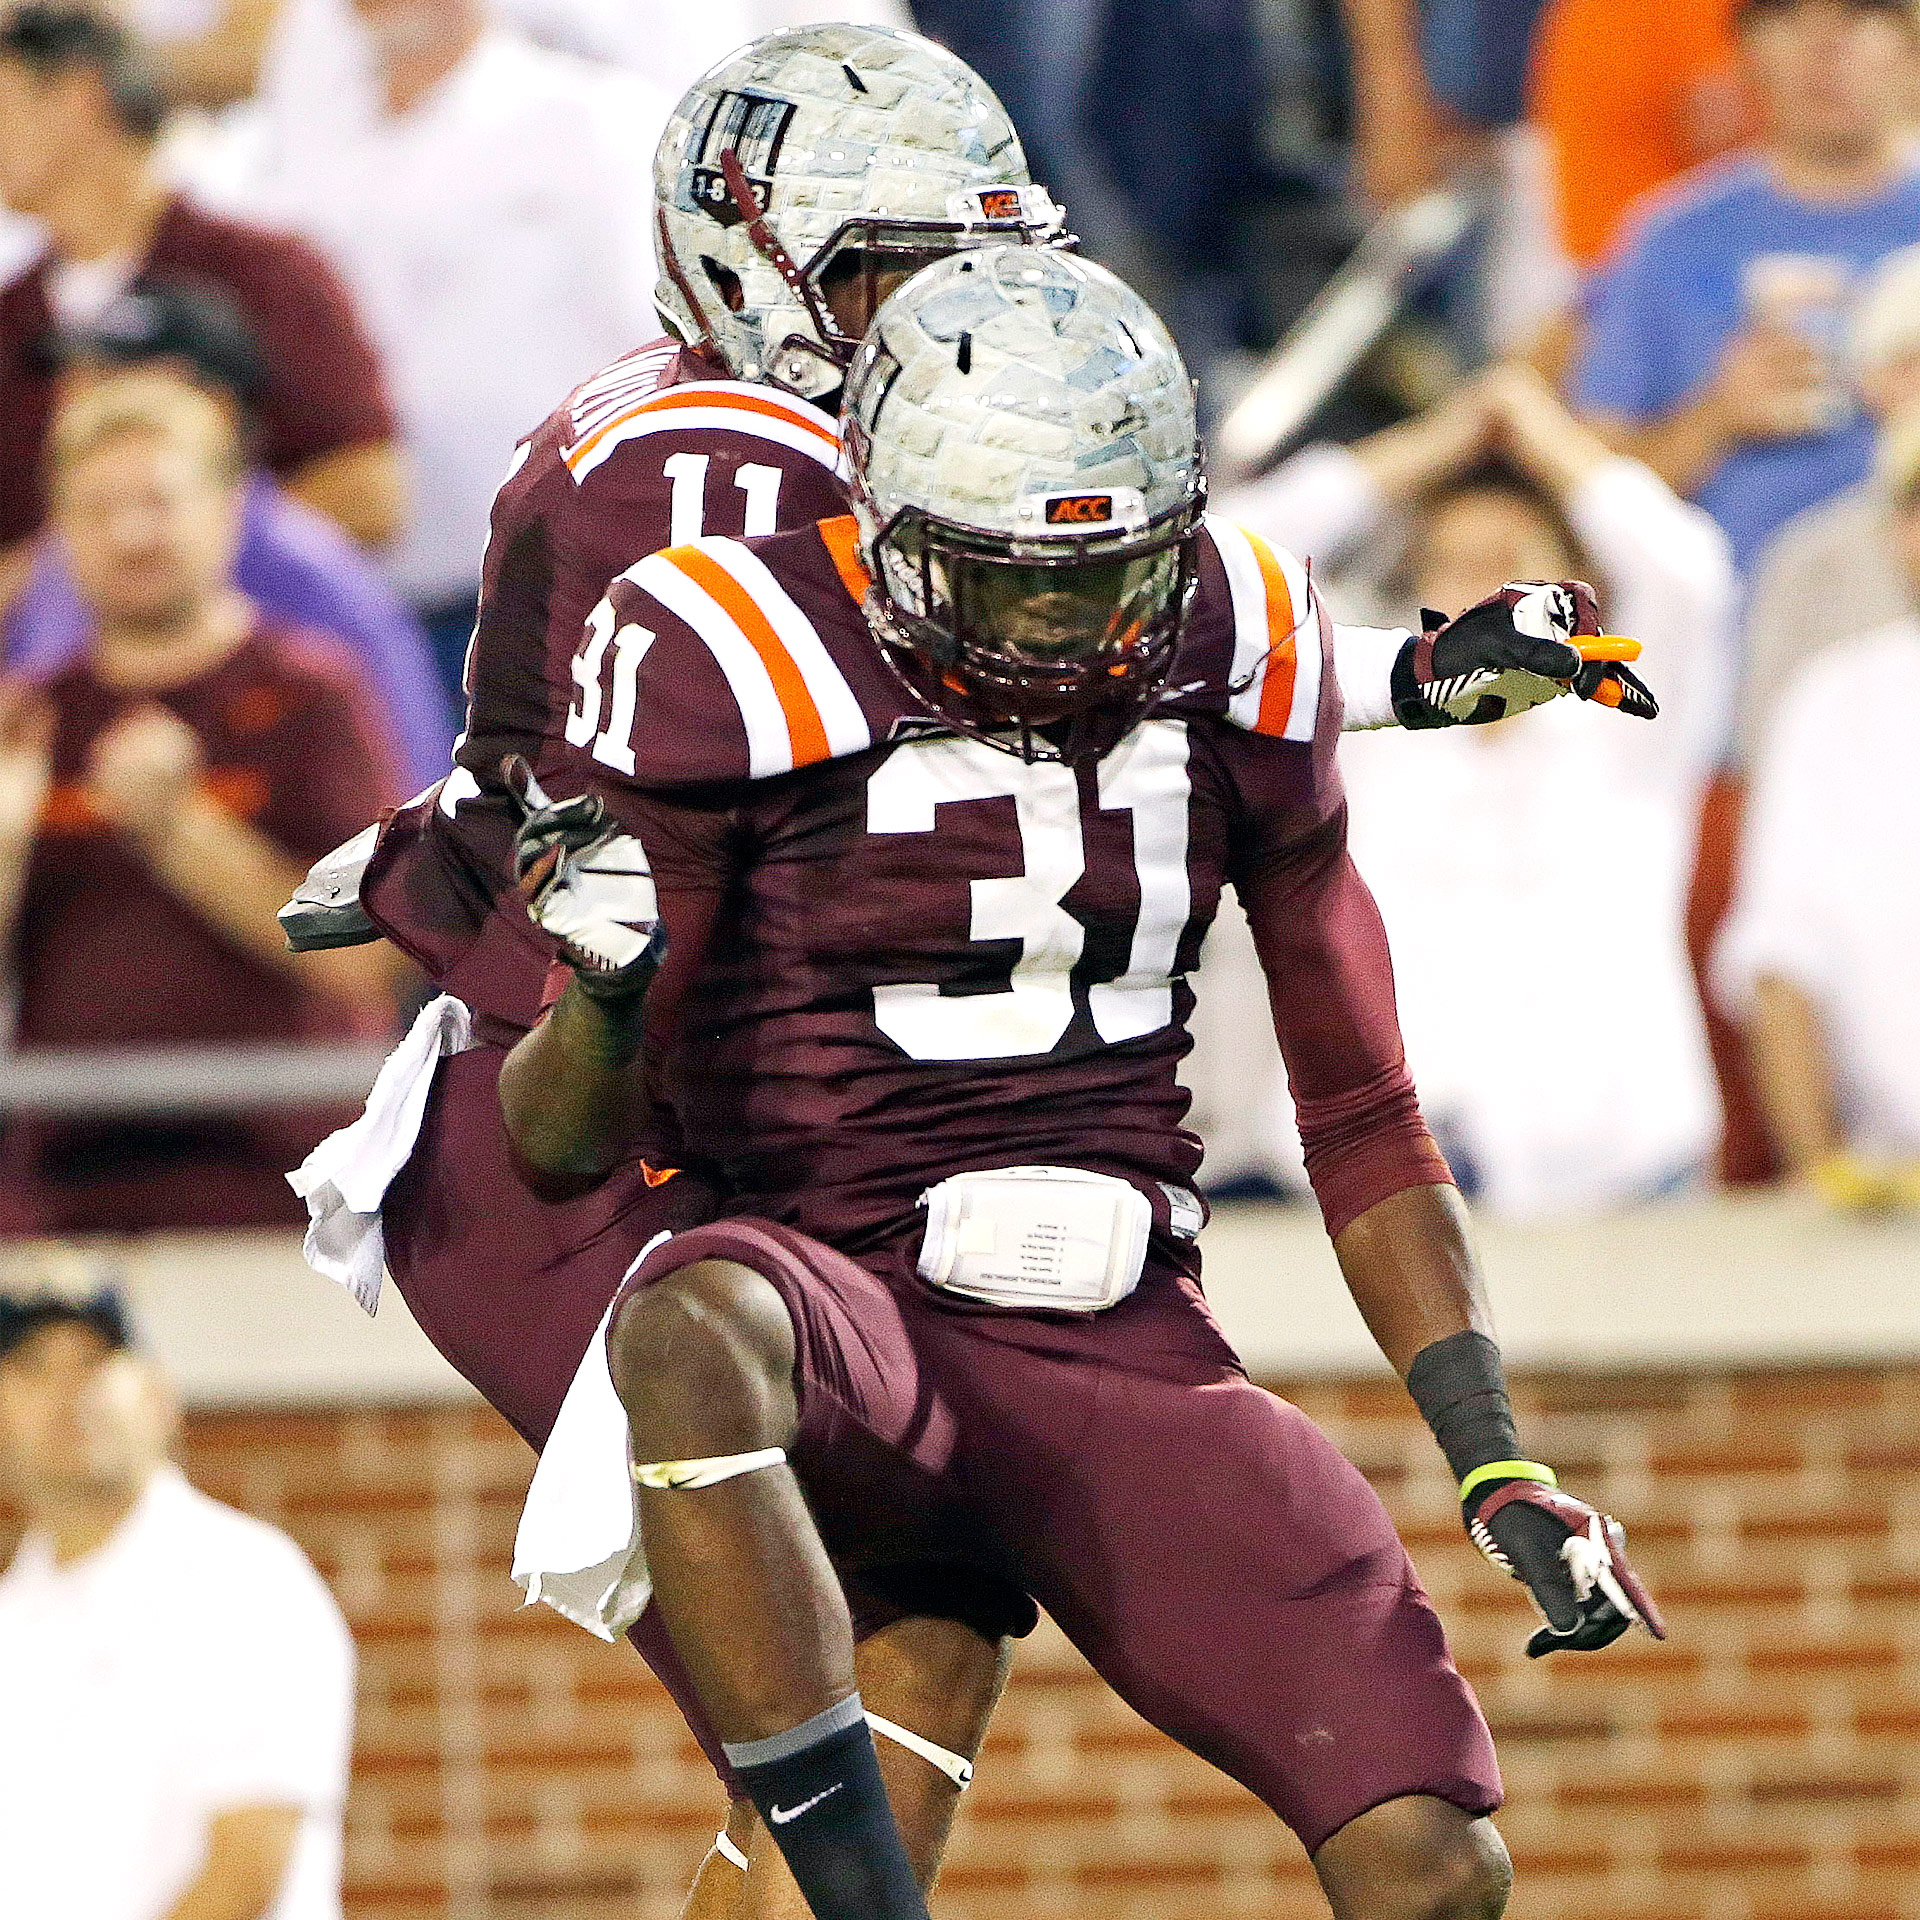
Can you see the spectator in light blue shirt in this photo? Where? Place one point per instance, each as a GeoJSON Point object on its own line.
{"type": "Point", "coordinates": [293, 563]}
{"type": "Point", "coordinates": [1716, 346]}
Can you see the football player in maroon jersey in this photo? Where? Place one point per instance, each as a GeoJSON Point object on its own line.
{"type": "Point", "coordinates": [900, 856]}
{"type": "Point", "coordinates": [795, 184]}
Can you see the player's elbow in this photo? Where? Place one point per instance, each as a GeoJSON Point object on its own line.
{"type": "Point", "coordinates": [553, 1183]}
{"type": "Point", "coordinates": [1366, 1145]}
{"type": "Point", "coordinates": [554, 1165]}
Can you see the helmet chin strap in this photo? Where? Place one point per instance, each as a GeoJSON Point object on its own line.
{"type": "Point", "coordinates": [677, 274]}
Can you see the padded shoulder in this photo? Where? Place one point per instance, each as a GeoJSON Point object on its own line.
{"type": "Point", "coordinates": [637, 407]}
{"type": "Point", "coordinates": [1258, 649]}
{"type": "Point", "coordinates": [753, 658]}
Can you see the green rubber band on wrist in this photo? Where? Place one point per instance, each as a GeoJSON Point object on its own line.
{"type": "Point", "coordinates": [1508, 1470]}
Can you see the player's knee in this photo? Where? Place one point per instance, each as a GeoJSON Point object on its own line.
{"type": "Point", "coordinates": [1466, 1877]}
{"type": "Point", "coordinates": [1416, 1858]}
{"type": "Point", "coordinates": [703, 1360]}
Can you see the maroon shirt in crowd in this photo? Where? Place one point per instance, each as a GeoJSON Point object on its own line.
{"type": "Point", "coordinates": [106, 956]}
{"type": "Point", "coordinates": [324, 390]}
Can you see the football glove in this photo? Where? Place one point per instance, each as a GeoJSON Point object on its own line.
{"type": "Point", "coordinates": [1569, 1556]}
{"type": "Point", "coordinates": [1527, 644]}
{"type": "Point", "coordinates": [587, 884]}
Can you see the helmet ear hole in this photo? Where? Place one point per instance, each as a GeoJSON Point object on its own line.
{"type": "Point", "coordinates": [725, 282]}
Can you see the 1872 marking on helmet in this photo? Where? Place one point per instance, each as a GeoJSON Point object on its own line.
{"type": "Point", "coordinates": [753, 125]}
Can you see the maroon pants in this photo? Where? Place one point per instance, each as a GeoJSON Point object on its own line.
{"type": "Point", "coordinates": [1210, 1551]}
{"type": "Point", "coordinates": [510, 1290]}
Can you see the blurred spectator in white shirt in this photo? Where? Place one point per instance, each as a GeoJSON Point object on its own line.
{"type": "Point", "coordinates": [214, 53]}
{"type": "Point", "coordinates": [317, 70]}
{"type": "Point", "coordinates": [493, 221]}
{"type": "Point", "coordinates": [178, 1682]}
{"type": "Point", "coordinates": [1553, 847]}
{"type": "Point", "coordinates": [1836, 572]}
{"type": "Point", "coordinates": [1819, 951]}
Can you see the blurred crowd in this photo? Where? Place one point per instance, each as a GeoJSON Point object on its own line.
{"type": "Point", "coordinates": [282, 282]}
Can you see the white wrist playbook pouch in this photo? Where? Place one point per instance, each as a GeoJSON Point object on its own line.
{"type": "Point", "coordinates": [1051, 1239]}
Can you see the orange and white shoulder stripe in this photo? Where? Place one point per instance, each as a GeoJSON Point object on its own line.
{"type": "Point", "coordinates": [718, 406]}
{"type": "Point", "coordinates": [794, 700]}
{"type": "Point", "coordinates": [1277, 663]}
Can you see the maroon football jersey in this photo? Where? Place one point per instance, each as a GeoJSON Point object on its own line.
{"type": "Point", "coordinates": [654, 451]}
{"type": "Point", "coordinates": [897, 953]}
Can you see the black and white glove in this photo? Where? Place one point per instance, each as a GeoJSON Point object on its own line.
{"type": "Point", "coordinates": [1571, 1557]}
{"type": "Point", "coordinates": [588, 885]}
{"type": "Point", "coordinates": [1527, 644]}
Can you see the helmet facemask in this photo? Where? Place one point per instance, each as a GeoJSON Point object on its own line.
{"type": "Point", "coordinates": [1078, 630]}
{"type": "Point", "coordinates": [841, 286]}
{"type": "Point", "coordinates": [1028, 483]}
{"type": "Point", "coordinates": [865, 260]}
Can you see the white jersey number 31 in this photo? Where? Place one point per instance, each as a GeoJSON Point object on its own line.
{"type": "Point", "coordinates": [1145, 776]}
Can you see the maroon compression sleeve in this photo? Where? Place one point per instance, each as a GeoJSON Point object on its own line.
{"type": "Point", "coordinates": [1323, 949]}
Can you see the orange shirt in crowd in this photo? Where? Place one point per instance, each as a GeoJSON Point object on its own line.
{"type": "Point", "coordinates": [1630, 94]}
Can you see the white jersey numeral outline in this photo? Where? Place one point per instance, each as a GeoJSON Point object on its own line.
{"type": "Point", "coordinates": [688, 510]}
{"type": "Point", "coordinates": [1147, 775]}
{"type": "Point", "coordinates": [1148, 778]}
{"type": "Point", "coordinates": [612, 745]}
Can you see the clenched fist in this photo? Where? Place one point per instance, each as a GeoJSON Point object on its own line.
{"type": "Point", "coordinates": [142, 771]}
{"type": "Point", "coordinates": [588, 885]}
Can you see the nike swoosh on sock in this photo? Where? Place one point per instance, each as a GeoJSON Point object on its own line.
{"type": "Point", "coordinates": [781, 1815]}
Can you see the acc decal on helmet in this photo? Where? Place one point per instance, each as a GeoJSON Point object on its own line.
{"type": "Point", "coordinates": [808, 149]}
{"type": "Point", "coordinates": [1028, 482]}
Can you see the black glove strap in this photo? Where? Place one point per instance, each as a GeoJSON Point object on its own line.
{"type": "Point", "coordinates": [1460, 1388]}
{"type": "Point", "coordinates": [1411, 707]}
{"type": "Point", "coordinates": [613, 986]}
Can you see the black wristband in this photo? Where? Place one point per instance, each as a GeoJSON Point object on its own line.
{"type": "Point", "coordinates": [1460, 1388]}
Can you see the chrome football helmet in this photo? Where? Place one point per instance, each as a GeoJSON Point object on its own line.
{"type": "Point", "coordinates": [818, 153]}
{"type": "Point", "coordinates": [1028, 482]}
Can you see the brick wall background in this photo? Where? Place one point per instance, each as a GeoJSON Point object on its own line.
{"type": "Point", "coordinates": [1763, 1766]}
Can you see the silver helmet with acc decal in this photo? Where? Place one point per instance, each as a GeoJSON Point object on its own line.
{"type": "Point", "coordinates": [1029, 486]}
{"type": "Point", "coordinates": [819, 153]}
